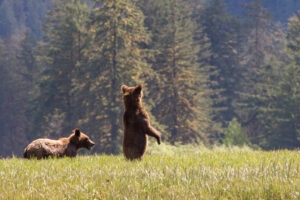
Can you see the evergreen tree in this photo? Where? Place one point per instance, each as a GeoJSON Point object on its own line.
{"type": "Point", "coordinates": [28, 74]}
{"type": "Point", "coordinates": [281, 113]}
{"type": "Point", "coordinates": [183, 103]}
{"type": "Point", "coordinates": [16, 16]}
{"type": "Point", "coordinates": [35, 12]}
{"type": "Point", "coordinates": [223, 31]}
{"type": "Point", "coordinates": [55, 108]}
{"type": "Point", "coordinates": [26, 56]}
{"type": "Point", "coordinates": [293, 38]}
{"type": "Point", "coordinates": [116, 58]}
{"type": "Point", "coordinates": [8, 23]}
{"type": "Point", "coordinates": [12, 108]}
{"type": "Point", "coordinates": [3, 90]}
{"type": "Point", "coordinates": [281, 10]}
{"type": "Point", "coordinates": [262, 53]}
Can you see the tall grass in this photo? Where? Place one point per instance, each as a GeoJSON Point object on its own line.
{"type": "Point", "coordinates": [166, 172]}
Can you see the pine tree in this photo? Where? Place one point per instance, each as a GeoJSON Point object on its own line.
{"type": "Point", "coordinates": [55, 110]}
{"type": "Point", "coordinates": [28, 73]}
{"type": "Point", "coordinates": [34, 14]}
{"type": "Point", "coordinates": [262, 53]}
{"type": "Point", "coordinates": [3, 89]}
{"type": "Point", "coordinates": [8, 23]}
{"type": "Point", "coordinates": [281, 111]}
{"type": "Point", "coordinates": [116, 58]}
{"type": "Point", "coordinates": [224, 34]}
{"type": "Point", "coordinates": [26, 56]}
{"type": "Point", "coordinates": [280, 114]}
{"type": "Point", "coordinates": [12, 108]}
{"type": "Point", "coordinates": [183, 96]}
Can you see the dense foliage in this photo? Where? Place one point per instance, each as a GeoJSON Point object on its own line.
{"type": "Point", "coordinates": [281, 10]}
{"type": "Point", "coordinates": [209, 76]}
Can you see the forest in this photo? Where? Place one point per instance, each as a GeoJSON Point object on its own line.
{"type": "Point", "coordinates": [214, 72]}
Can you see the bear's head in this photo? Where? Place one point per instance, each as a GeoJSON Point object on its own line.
{"type": "Point", "coordinates": [81, 140]}
{"type": "Point", "coordinates": [132, 96]}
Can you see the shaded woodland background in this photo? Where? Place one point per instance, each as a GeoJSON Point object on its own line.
{"type": "Point", "coordinates": [213, 72]}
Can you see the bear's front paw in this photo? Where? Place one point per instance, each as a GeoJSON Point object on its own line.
{"type": "Point", "coordinates": [158, 140]}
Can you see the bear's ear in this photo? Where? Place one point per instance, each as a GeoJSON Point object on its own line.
{"type": "Point", "coordinates": [124, 88]}
{"type": "Point", "coordinates": [138, 89]}
{"type": "Point", "coordinates": [77, 132]}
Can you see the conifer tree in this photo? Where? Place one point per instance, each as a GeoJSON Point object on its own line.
{"type": "Point", "coordinates": [281, 99]}
{"type": "Point", "coordinates": [183, 103]}
{"type": "Point", "coordinates": [224, 34]}
{"type": "Point", "coordinates": [115, 59]}
{"type": "Point", "coordinates": [261, 54]}
{"type": "Point", "coordinates": [8, 23]}
{"type": "Point", "coordinates": [280, 113]}
{"type": "Point", "coordinates": [12, 106]}
{"type": "Point", "coordinates": [26, 57]}
{"type": "Point", "coordinates": [55, 111]}
{"type": "Point", "coordinates": [27, 77]}
{"type": "Point", "coordinates": [3, 89]}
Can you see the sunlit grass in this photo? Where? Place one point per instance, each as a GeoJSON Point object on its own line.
{"type": "Point", "coordinates": [167, 173]}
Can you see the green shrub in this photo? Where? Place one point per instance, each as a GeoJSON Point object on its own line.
{"type": "Point", "coordinates": [234, 134]}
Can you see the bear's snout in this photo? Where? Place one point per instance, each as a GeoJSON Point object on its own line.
{"type": "Point", "coordinates": [91, 144]}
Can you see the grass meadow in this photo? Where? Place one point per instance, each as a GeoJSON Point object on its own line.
{"type": "Point", "coordinates": [165, 173]}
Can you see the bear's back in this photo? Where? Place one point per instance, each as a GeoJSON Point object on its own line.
{"type": "Point", "coordinates": [135, 138]}
{"type": "Point", "coordinates": [42, 148]}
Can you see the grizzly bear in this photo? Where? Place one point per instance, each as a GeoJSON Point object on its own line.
{"type": "Point", "coordinates": [44, 148]}
{"type": "Point", "coordinates": [136, 124]}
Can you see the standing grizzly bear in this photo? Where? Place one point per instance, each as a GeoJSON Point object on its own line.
{"type": "Point", "coordinates": [43, 148]}
{"type": "Point", "coordinates": [136, 124]}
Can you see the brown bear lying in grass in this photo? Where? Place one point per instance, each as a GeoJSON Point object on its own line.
{"type": "Point", "coordinates": [43, 148]}
{"type": "Point", "coordinates": [136, 124]}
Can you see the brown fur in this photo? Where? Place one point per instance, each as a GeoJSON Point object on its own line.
{"type": "Point", "coordinates": [136, 124]}
{"type": "Point", "coordinates": [43, 148]}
